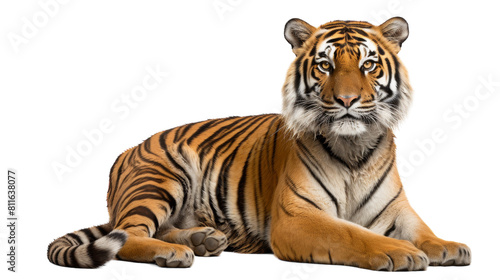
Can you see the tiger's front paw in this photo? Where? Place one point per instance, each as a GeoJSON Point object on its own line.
{"type": "Point", "coordinates": [446, 253]}
{"type": "Point", "coordinates": [397, 255]}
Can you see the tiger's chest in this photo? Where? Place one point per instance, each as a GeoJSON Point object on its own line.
{"type": "Point", "coordinates": [352, 192]}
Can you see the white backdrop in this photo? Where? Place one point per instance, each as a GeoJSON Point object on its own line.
{"type": "Point", "coordinates": [119, 71]}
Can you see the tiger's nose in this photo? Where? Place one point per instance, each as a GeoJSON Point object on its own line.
{"type": "Point", "coordinates": [347, 100]}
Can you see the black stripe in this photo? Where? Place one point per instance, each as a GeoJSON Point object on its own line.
{"type": "Point", "coordinates": [220, 188]}
{"type": "Point", "coordinates": [126, 226]}
{"type": "Point", "coordinates": [176, 164]}
{"type": "Point", "coordinates": [298, 76]}
{"type": "Point", "coordinates": [165, 195]}
{"type": "Point", "coordinates": [258, 189]}
{"type": "Point", "coordinates": [218, 219]}
{"type": "Point", "coordinates": [257, 206]}
{"type": "Point", "coordinates": [185, 129]}
{"type": "Point", "coordinates": [313, 50]}
{"type": "Point", "coordinates": [118, 236]}
{"type": "Point", "coordinates": [65, 256]}
{"type": "Point", "coordinates": [89, 234]}
{"type": "Point", "coordinates": [151, 192]}
{"type": "Point", "coordinates": [55, 255]}
{"type": "Point", "coordinates": [76, 238]}
{"type": "Point", "coordinates": [111, 189]}
{"type": "Point", "coordinates": [334, 40]}
{"type": "Point", "coordinates": [69, 241]}
{"type": "Point", "coordinates": [360, 31]}
{"type": "Point", "coordinates": [332, 197]}
{"type": "Point", "coordinates": [176, 135]}
{"type": "Point", "coordinates": [149, 171]}
{"type": "Point", "coordinates": [132, 156]}
{"type": "Point", "coordinates": [139, 181]}
{"type": "Point", "coordinates": [333, 25]}
{"type": "Point", "coordinates": [185, 179]}
{"type": "Point", "coordinates": [167, 172]}
{"type": "Point", "coordinates": [96, 255]}
{"type": "Point", "coordinates": [147, 179]}
{"type": "Point", "coordinates": [141, 211]}
{"type": "Point", "coordinates": [294, 189]}
{"type": "Point", "coordinates": [207, 145]}
{"type": "Point", "coordinates": [396, 70]}
{"type": "Point", "coordinates": [368, 155]}
{"type": "Point", "coordinates": [331, 33]}
{"type": "Point", "coordinates": [311, 159]}
{"type": "Point", "coordinates": [145, 196]}
{"type": "Point", "coordinates": [275, 138]}
{"type": "Point", "coordinates": [305, 73]}
{"type": "Point", "coordinates": [102, 230]}
{"type": "Point", "coordinates": [72, 256]}
{"type": "Point", "coordinates": [326, 148]}
{"type": "Point", "coordinates": [242, 184]}
{"type": "Point", "coordinates": [383, 209]}
{"type": "Point", "coordinates": [387, 88]}
{"type": "Point", "coordinates": [380, 50]}
{"type": "Point", "coordinates": [209, 124]}
{"type": "Point", "coordinates": [375, 187]}
{"type": "Point", "coordinates": [206, 178]}
{"type": "Point", "coordinates": [390, 230]}
{"type": "Point", "coordinates": [285, 211]}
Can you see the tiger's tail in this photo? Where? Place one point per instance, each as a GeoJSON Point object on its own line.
{"type": "Point", "coordinates": [87, 248]}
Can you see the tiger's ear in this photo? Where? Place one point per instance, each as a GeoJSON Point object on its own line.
{"type": "Point", "coordinates": [395, 30]}
{"type": "Point", "coordinates": [297, 32]}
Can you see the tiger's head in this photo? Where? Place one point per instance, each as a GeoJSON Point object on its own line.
{"type": "Point", "coordinates": [347, 78]}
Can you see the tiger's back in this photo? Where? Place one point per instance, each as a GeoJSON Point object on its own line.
{"type": "Point", "coordinates": [219, 173]}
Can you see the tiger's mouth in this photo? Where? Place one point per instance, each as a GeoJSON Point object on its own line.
{"type": "Point", "coordinates": [348, 123]}
{"type": "Point", "coordinates": [348, 116]}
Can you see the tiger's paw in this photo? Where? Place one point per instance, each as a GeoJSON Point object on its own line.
{"type": "Point", "coordinates": [208, 242]}
{"type": "Point", "coordinates": [183, 257]}
{"type": "Point", "coordinates": [446, 253]}
{"type": "Point", "coordinates": [399, 255]}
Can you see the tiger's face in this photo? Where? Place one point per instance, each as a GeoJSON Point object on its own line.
{"type": "Point", "coordinates": [346, 78]}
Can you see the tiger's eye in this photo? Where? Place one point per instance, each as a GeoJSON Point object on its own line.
{"type": "Point", "coordinates": [368, 65]}
{"type": "Point", "coordinates": [325, 66]}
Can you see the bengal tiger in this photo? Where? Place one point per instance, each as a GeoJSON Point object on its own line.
{"type": "Point", "coordinates": [317, 183]}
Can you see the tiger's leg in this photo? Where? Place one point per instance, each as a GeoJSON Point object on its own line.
{"type": "Point", "coordinates": [204, 241]}
{"type": "Point", "coordinates": [405, 224]}
{"type": "Point", "coordinates": [303, 231]}
{"type": "Point", "coordinates": [318, 238]}
{"type": "Point", "coordinates": [145, 209]}
{"type": "Point", "coordinates": [141, 248]}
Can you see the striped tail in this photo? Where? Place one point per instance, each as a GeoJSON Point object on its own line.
{"type": "Point", "coordinates": [87, 248]}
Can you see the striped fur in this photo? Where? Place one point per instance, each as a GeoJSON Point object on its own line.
{"type": "Point", "coordinates": [87, 248]}
{"type": "Point", "coordinates": [318, 183]}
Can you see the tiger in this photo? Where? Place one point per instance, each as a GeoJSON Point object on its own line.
{"type": "Point", "coordinates": [317, 183]}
